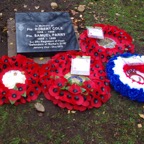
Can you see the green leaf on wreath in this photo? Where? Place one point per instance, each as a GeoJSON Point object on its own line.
{"type": "Point", "coordinates": [86, 78]}
{"type": "Point", "coordinates": [83, 90]}
{"type": "Point", "coordinates": [51, 77]}
{"type": "Point", "coordinates": [63, 88]}
{"type": "Point", "coordinates": [56, 77]}
{"type": "Point", "coordinates": [80, 84]}
{"type": "Point", "coordinates": [12, 102]}
{"type": "Point", "coordinates": [15, 87]}
{"type": "Point", "coordinates": [66, 88]}
{"type": "Point", "coordinates": [24, 94]}
{"type": "Point", "coordinates": [70, 81]}
{"type": "Point", "coordinates": [67, 76]}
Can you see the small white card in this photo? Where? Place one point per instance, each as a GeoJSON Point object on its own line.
{"type": "Point", "coordinates": [95, 32]}
{"type": "Point", "coordinates": [81, 66]}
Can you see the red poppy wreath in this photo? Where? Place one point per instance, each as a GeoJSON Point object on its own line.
{"type": "Point", "coordinates": [18, 80]}
{"type": "Point", "coordinates": [74, 92]}
{"type": "Point", "coordinates": [115, 41]}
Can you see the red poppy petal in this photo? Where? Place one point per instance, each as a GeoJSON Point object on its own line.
{"type": "Point", "coordinates": [61, 104]}
{"type": "Point", "coordinates": [96, 102]}
{"type": "Point", "coordinates": [55, 101]}
{"type": "Point", "coordinates": [74, 89]}
{"type": "Point", "coordinates": [78, 99]}
{"type": "Point", "coordinates": [32, 93]}
{"type": "Point", "coordinates": [68, 106]}
{"type": "Point", "coordinates": [80, 108]}
{"type": "Point", "coordinates": [13, 95]}
{"type": "Point", "coordinates": [105, 98]}
{"type": "Point", "coordinates": [53, 90]}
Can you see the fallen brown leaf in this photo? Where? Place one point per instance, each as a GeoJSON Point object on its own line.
{"type": "Point", "coordinates": [141, 115]}
{"type": "Point", "coordinates": [81, 8]}
{"type": "Point", "coordinates": [139, 125]}
{"type": "Point", "coordinates": [37, 7]}
{"type": "Point", "coordinates": [73, 12]}
{"type": "Point", "coordinates": [25, 6]}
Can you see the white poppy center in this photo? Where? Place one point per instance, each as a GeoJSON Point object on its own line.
{"type": "Point", "coordinates": [106, 43]}
{"type": "Point", "coordinates": [12, 77]}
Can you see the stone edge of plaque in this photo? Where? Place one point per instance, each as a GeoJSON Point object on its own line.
{"type": "Point", "coordinates": [12, 43]}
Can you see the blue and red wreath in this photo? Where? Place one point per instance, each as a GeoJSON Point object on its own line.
{"type": "Point", "coordinates": [18, 80]}
{"type": "Point", "coordinates": [74, 92]}
{"type": "Point", "coordinates": [126, 75]}
{"type": "Point", "coordinates": [116, 41]}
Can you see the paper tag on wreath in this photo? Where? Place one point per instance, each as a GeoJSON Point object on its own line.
{"type": "Point", "coordinates": [81, 66]}
{"type": "Point", "coordinates": [95, 32]}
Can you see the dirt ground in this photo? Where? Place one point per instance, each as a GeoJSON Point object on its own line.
{"type": "Point", "coordinates": [8, 8]}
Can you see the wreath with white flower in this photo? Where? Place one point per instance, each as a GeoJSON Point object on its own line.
{"type": "Point", "coordinates": [116, 41]}
{"type": "Point", "coordinates": [18, 80]}
{"type": "Point", "coordinates": [74, 92]}
{"type": "Point", "coordinates": [126, 75]}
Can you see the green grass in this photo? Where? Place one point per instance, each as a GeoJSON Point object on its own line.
{"type": "Point", "coordinates": [127, 15]}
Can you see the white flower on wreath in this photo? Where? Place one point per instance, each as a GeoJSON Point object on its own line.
{"type": "Point", "coordinates": [12, 77]}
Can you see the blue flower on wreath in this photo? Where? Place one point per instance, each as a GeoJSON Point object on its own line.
{"type": "Point", "coordinates": [118, 85]}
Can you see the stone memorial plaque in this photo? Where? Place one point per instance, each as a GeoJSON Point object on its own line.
{"type": "Point", "coordinates": [44, 34]}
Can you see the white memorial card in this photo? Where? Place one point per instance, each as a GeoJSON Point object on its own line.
{"type": "Point", "coordinates": [95, 32]}
{"type": "Point", "coordinates": [81, 66]}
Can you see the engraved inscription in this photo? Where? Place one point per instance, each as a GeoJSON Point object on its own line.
{"type": "Point", "coordinates": [45, 37]}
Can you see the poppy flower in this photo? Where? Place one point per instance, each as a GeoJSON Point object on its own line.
{"type": "Point", "coordinates": [53, 90]}
{"type": "Point", "coordinates": [106, 97]}
{"type": "Point", "coordinates": [2, 99]}
{"type": "Point", "coordinates": [13, 95]}
{"type": "Point", "coordinates": [60, 82]}
{"type": "Point", "coordinates": [78, 99]}
{"type": "Point", "coordinates": [16, 75]}
{"type": "Point", "coordinates": [80, 108]}
{"type": "Point", "coordinates": [21, 88]}
{"type": "Point", "coordinates": [61, 104]}
{"type": "Point", "coordinates": [67, 97]}
{"type": "Point", "coordinates": [37, 88]}
{"type": "Point", "coordinates": [96, 102]}
{"type": "Point", "coordinates": [115, 41]}
{"type": "Point", "coordinates": [20, 101]}
{"type": "Point", "coordinates": [32, 93]}
{"type": "Point", "coordinates": [74, 89]}
{"type": "Point", "coordinates": [70, 91]}
{"type": "Point", "coordinates": [89, 85]}
{"type": "Point", "coordinates": [68, 106]}
{"type": "Point", "coordinates": [44, 70]}
{"type": "Point", "coordinates": [3, 95]}
{"type": "Point", "coordinates": [23, 100]}
{"type": "Point", "coordinates": [86, 103]}
{"type": "Point", "coordinates": [103, 87]}
{"type": "Point", "coordinates": [47, 95]}
{"type": "Point", "coordinates": [55, 101]}
{"type": "Point", "coordinates": [61, 94]}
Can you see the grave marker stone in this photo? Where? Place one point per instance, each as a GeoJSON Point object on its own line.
{"type": "Point", "coordinates": [44, 34]}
